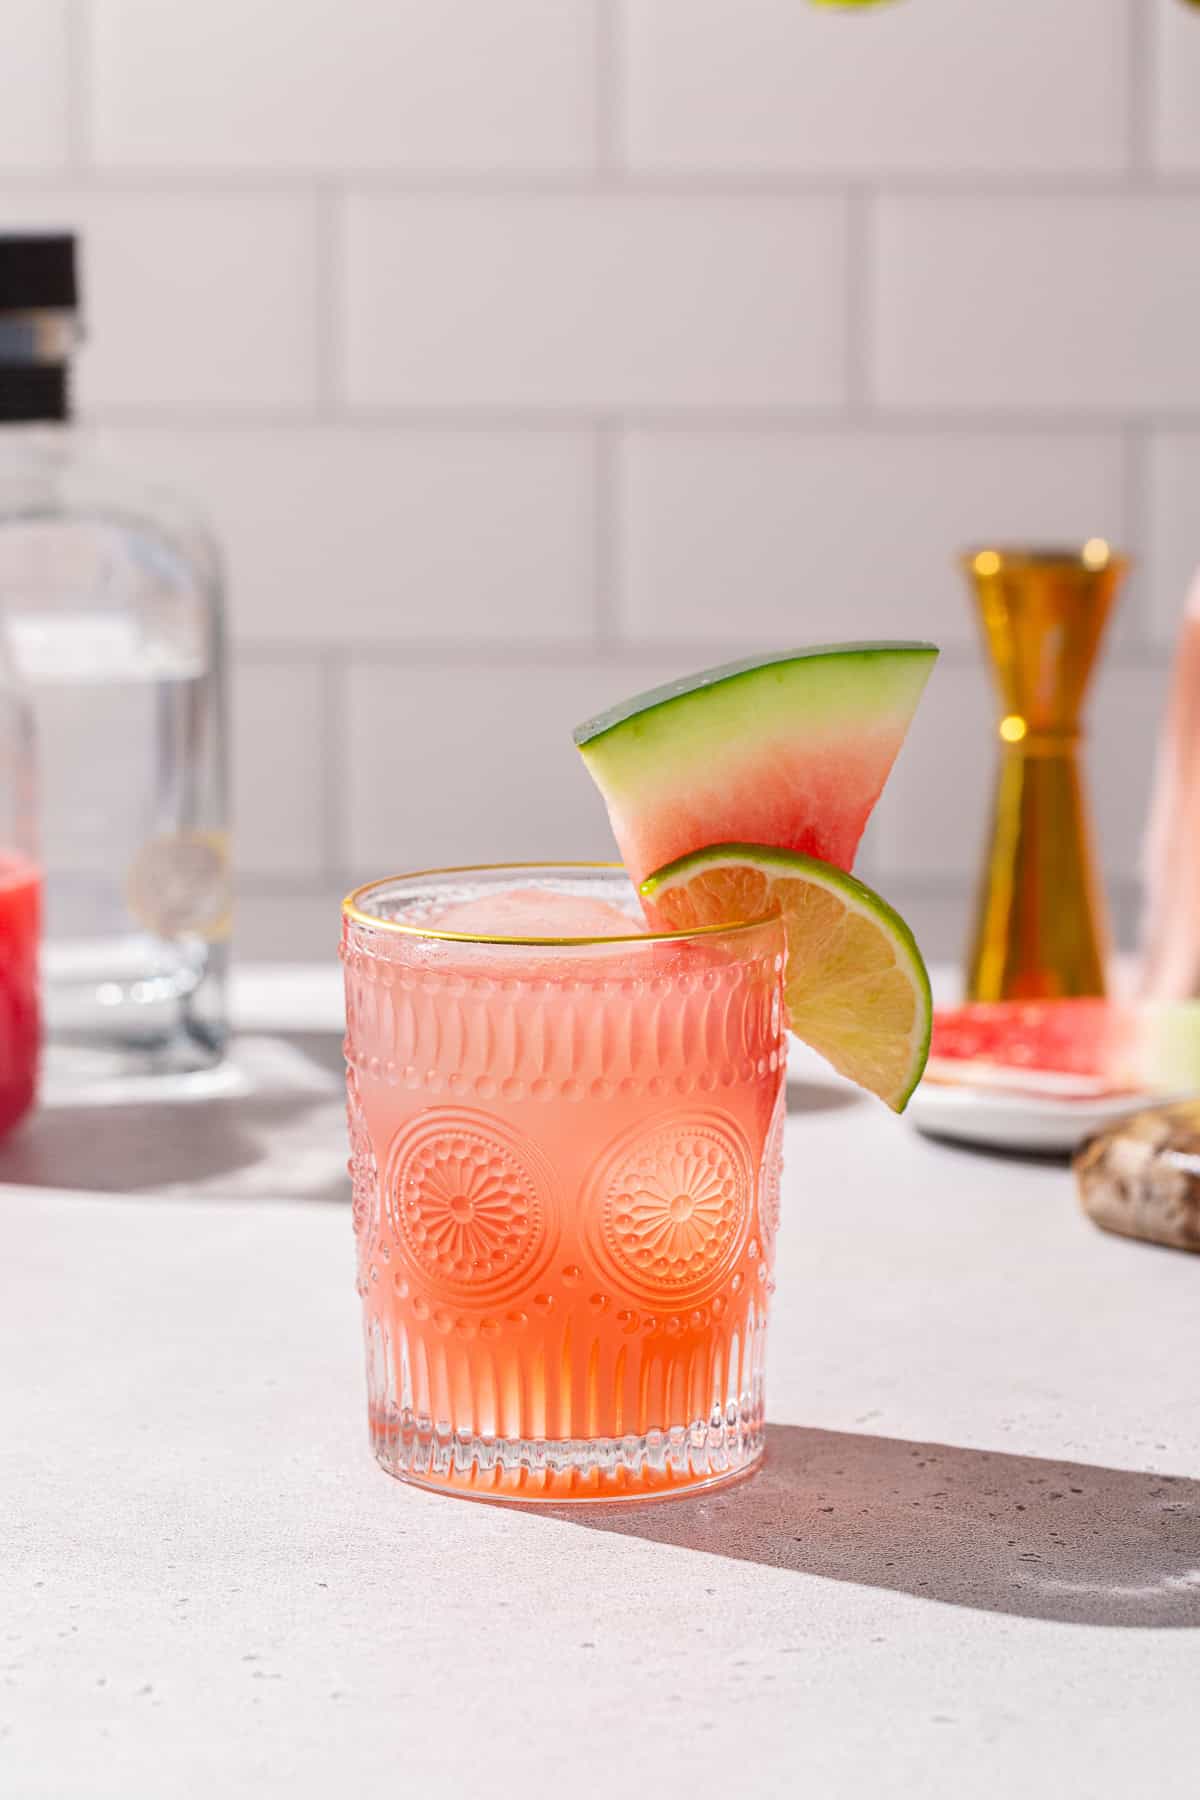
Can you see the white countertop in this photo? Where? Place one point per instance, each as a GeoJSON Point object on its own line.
{"type": "Point", "coordinates": [970, 1568]}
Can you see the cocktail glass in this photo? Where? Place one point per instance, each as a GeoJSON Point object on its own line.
{"type": "Point", "coordinates": [566, 1157]}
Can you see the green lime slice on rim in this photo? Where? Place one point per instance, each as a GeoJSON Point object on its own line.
{"type": "Point", "coordinates": [855, 987]}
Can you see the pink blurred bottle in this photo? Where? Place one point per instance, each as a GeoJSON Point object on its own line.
{"type": "Point", "coordinates": [1170, 947]}
{"type": "Point", "coordinates": [20, 903]}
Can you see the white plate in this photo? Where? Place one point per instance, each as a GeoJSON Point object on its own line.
{"type": "Point", "coordinates": [1019, 1121]}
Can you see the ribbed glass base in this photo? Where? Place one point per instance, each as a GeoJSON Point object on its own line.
{"type": "Point", "coordinates": [680, 1460]}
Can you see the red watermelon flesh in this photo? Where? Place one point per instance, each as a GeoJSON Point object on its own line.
{"type": "Point", "coordinates": [791, 751]}
{"type": "Point", "coordinates": [1070, 1048]}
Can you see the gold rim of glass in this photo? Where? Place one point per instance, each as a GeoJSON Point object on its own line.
{"type": "Point", "coordinates": [1095, 555]}
{"type": "Point", "coordinates": [352, 909]}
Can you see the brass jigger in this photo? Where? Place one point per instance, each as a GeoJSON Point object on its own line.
{"type": "Point", "coordinates": [1041, 927]}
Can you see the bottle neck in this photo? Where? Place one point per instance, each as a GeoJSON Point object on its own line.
{"type": "Point", "coordinates": [34, 393]}
{"type": "Point", "coordinates": [35, 351]}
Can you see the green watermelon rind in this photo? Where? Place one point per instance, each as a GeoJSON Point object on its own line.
{"type": "Point", "coordinates": [766, 673]}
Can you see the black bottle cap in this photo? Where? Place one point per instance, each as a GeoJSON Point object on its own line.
{"type": "Point", "coordinates": [37, 272]}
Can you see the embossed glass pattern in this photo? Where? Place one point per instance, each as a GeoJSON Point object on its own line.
{"type": "Point", "coordinates": [565, 1158]}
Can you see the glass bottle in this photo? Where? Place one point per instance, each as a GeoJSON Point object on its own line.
{"type": "Point", "coordinates": [111, 599]}
{"type": "Point", "coordinates": [1040, 927]}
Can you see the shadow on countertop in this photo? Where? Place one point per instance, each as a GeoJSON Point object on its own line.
{"type": "Point", "coordinates": [268, 1123]}
{"type": "Point", "coordinates": [822, 1096]}
{"type": "Point", "coordinates": [1040, 1539]}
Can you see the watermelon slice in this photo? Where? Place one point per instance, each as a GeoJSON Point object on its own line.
{"type": "Point", "coordinates": [789, 751]}
{"type": "Point", "coordinates": [1073, 1049]}
{"type": "Point", "coordinates": [1078, 1049]}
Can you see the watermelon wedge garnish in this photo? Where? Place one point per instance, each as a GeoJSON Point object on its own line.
{"type": "Point", "coordinates": [789, 751]}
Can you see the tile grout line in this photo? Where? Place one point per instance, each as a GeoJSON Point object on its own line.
{"type": "Point", "coordinates": [616, 178]}
{"type": "Point", "coordinates": [609, 124]}
{"type": "Point", "coordinates": [1055, 422]}
{"type": "Point", "coordinates": [334, 667]}
{"type": "Point", "coordinates": [77, 61]}
{"type": "Point", "coordinates": [329, 275]}
{"type": "Point", "coordinates": [1134, 474]}
{"type": "Point", "coordinates": [606, 533]}
{"type": "Point", "coordinates": [1140, 54]}
{"type": "Point", "coordinates": [857, 307]}
{"type": "Point", "coordinates": [617, 652]}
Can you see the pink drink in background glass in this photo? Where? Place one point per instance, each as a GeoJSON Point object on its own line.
{"type": "Point", "coordinates": [566, 1165]}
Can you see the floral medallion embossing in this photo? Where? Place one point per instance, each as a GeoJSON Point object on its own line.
{"type": "Point", "coordinates": [770, 1180]}
{"type": "Point", "coordinates": [364, 1171]}
{"type": "Point", "coordinates": [670, 1206]}
{"type": "Point", "coordinates": [470, 1204]}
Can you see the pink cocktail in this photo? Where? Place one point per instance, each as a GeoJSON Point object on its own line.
{"type": "Point", "coordinates": [566, 1139]}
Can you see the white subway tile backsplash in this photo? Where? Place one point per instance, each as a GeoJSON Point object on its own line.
{"type": "Point", "coordinates": [275, 924]}
{"type": "Point", "coordinates": [1123, 728]}
{"type": "Point", "coordinates": [279, 764]}
{"type": "Point", "coordinates": [33, 83]}
{"type": "Point", "coordinates": [1173, 500]}
{"type": "Point", "coordinates": [336, 534]}
{"type": "Point", "coordinates": [317, 84]}
{"type": "Point", "coordinates": [933, 819]}
{"type": "Point", "coordinates": [1079, 302]}
{"type": "Point", "coordinates": [777, 84]}
{"type": "Point", "coordinates": [940, 918]}
{"type": "Point", "coordinates": [476, 763]}
{"type": "Point", "coordinates": [1174, 31]}
{"type": "Point", "coordinates": [192, 302]}
{"type": "Point", "coordinates": [780, 536]}
{"type": "Point", "coordinates": [594, 300]}
{"type": "Point", "coordinates": [485, 333]}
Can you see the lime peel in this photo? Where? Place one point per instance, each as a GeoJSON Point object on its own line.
{"type": "Point", "coordinates": [855, 987]}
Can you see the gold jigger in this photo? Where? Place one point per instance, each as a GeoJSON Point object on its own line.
{"type": "Point", "coordinates": [1041, 928]}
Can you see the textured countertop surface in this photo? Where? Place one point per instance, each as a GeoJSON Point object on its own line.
{"type": "Point", "coordinates": [971, 1566]}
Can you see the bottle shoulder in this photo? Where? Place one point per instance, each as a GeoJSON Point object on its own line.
{"type": "Point", "coordinates": [56, 476]}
